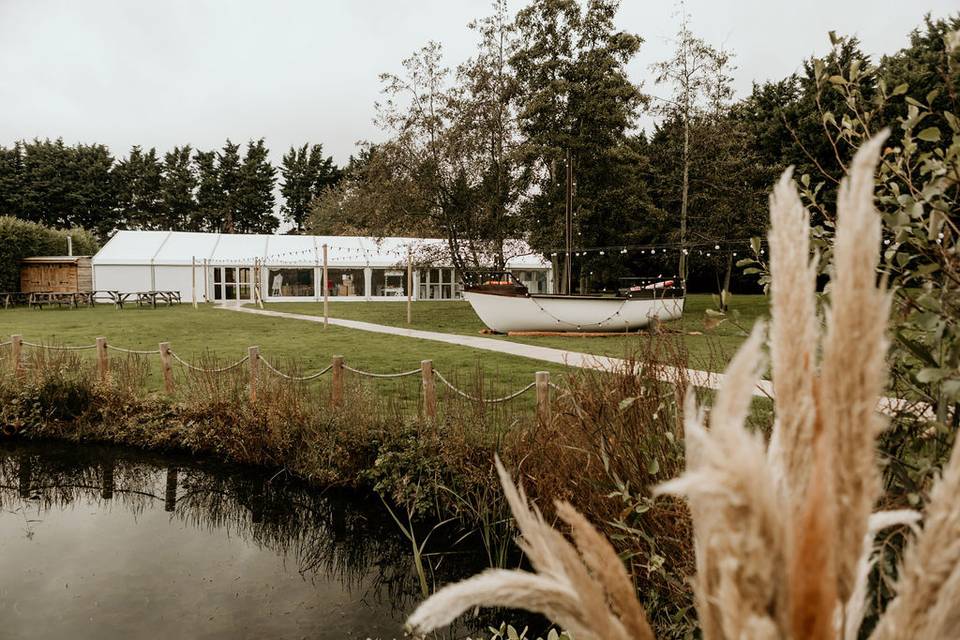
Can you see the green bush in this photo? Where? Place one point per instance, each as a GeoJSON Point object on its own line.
{"type": "Point", "coordinates": [21, 239]}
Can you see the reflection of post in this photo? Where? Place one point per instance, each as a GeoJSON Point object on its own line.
{"type": "Point", "coordinates": [170, 496]}
{"type": "Point", "coordinates": [24, 476]}
{"type": "Point", "coordinates": [106, 490]}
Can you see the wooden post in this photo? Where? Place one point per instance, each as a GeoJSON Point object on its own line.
{"type": "Point", "coordinates": [326, 308]}
{"type": "Point", "coordinates": [16, 348]}
{"type": "Point", "coordinates": [409, 286]}
{"type": "Point", "coordinates": [206, 280]}
{"type": "Point", "coordinates": [429, 389]}
{"type": "Point", "coordinates": [543, 397]}
{"type": "Point", "coordinates": [336, 389]}
{"type": "Point", "coordinates": [253, 359]}
{"type": "Point", "coordinates": [103, 364]}
{"type": "Point", "coordinates": [166, 362]}
{"type": "Point", "coordinates": [193, 278]}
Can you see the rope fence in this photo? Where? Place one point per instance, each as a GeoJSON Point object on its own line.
{"type": "Point", "coordinates": [224, 369]}
{"type": "Point", "coordinates": [253, 359]}
{"type": "Point", "coordinates": [370, 374]}
{"type": "Point", "coordinates": [285, 376]}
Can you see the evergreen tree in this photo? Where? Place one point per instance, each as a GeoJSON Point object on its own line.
{"type": "Point", "coordinates": [139, 190]}
{"type": "Point", "coordinates": [92, 196]}
{"type": "Point", "coordinates": [208, 214]}
{"type": "Point", "coordinates": [46, 182]}
{"type": "Point", "coordinates": [306, 175]}
{"type": "Point", "coordinates": [179, 181]}
{"type": "Point", "coordinates": [229, 175]}
{"type": "Point", "coordinates": [11, 180]}
{"type": "Point", "coordinates": [255, 199]}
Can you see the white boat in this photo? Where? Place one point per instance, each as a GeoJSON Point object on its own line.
{"type": "Point", "coordinates": [505, 306]}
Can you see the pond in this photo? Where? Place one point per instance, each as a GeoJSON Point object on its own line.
{"type": "Point", "coordinates": [103, 542]}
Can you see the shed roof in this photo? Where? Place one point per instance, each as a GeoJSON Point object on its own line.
{"type": "Point", "coordinates": [180, 248]}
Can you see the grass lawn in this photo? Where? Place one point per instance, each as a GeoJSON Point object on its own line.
{"type": "Point", "coordinates": [708, 348]}
{"type": "Point", "coordinates": [194, 333]}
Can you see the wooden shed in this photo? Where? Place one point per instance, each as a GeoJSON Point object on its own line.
{"type": "Point", "coordinates": [62, 274]}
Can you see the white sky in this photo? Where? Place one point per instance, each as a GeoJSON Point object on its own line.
{"type": "Point", "coordinates": [178, 71]}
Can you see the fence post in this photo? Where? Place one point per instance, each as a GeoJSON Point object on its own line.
{"type": "Point", "coordinates": [336, 388]}
{"type": "Point", "coordinates": [103, 364]}
{"type": "Point", "coordinates": [253, 359]}
{"type": "Point", "coordinates": [543, 397]}
{"type": "Point", "coordinates": [326, 292]}
{"type": "Point", "coordinates": [16, 347]}
{"type": "Point", "coordinates": [167, 365]}
{"type": "Point", "coordinates": [429, 389]}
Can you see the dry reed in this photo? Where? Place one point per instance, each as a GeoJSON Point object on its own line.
{"type": "Point", "coordinates": [782, 534]}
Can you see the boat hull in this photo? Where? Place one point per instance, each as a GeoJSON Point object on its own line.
{"type": "Point", "coordinates": [506, 313]}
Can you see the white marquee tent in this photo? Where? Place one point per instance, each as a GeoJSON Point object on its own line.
{"type": "Point", "coordinates": [220, 266]}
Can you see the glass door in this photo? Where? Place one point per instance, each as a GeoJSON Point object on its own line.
{"type": "Point", "coordinates": [232, 283]}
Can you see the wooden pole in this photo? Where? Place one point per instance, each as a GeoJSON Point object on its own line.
{"type": "Point", "coordinates": [166, 362]}
{"type": "Point", "coordinates": [326, 308]}
{"type": "Point", "coordinates": [253, 360]}
{"type": "Point", "coordinates": [409, 286]}
{"type": "Point", "coordinates": [103, 363]}
{"type": "Point", "coordinates": [16, 349]}
{"type": "Point", "coordinates": [543, 397]}
{"type": "Point", "coordinates": [336, 390]}
{"type": "Point", "coordinates": [206, 280]}
{"type": "Point", "coordinates": [258, 281]}
{"type": "Point", "coordinates": [193, 278]}
{"type": "Point", "coordinates": [429, 389]}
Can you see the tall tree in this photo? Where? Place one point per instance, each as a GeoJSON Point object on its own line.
{"type": "Point", "coordinates": [255, 199]}
{"type": "Point", "coordinates": [11, 180]}
{"type": "Point", "coordinates": [92, 196]}
{"type": "Point", "coordinates": [576, 98]}
{"type": "Point", "coordinates": [306, 174]}
{"type": "Point", "coordinates": [46, 182]}
{"type": "Point", "coordinates": [208, 215]}
{"type": "Point", "coordinates": [229, 174]}
{"type": "Point", "coordinates": [139, 193]}
{"type": "Point", "coordinates": [692, 72]}
{"type": "Point", "coordinates": [179, 182]}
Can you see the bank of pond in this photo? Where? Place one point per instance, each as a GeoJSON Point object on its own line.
{"type": "Point", "coordinates": [109, 542]}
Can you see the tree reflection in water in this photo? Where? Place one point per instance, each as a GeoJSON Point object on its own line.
{"type": "Point", "coordinates": [339, 535]}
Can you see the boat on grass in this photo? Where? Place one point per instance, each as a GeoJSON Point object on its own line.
{"type": "Point", "coordinates": [505, 305]}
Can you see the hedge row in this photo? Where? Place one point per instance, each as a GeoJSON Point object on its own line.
{"type": "Point", "coordinates": [21, 239]}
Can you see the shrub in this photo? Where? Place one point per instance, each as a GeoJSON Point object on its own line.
{"type": "Point", "coordinates": [22, 239]}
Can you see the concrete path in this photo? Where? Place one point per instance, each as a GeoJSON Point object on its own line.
{"type": "Point", "coordinates": [696, 377]}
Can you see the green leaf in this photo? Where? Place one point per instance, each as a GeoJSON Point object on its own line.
{"type": "Point", "coordinates": [932, 375]}
{"type": "Point", "coordinates": [900, 89]}
{"type": "Point", "coordinates": [653, 467]}
{"type": "Point", "coordinates": [838, 80]}
{"type": "Point", "coordinates": [930, 134]}
{"type": "Point", "coordinates": [626, 403]}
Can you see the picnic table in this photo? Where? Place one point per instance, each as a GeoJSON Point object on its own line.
{"type": "Point", "coordinates": [13, 298]}
{"type": "Point", "coordinates": [152, 298]}
{"type": "Point", "coordinates": [73, 299]}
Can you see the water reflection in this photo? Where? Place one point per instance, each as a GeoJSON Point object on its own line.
{"type": "Point", "coordinates": [99, 542]}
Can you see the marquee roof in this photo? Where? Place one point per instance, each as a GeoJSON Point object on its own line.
{"type": "Point", "coordinates": [179, 248]}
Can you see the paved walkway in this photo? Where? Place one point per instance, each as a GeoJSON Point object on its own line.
{"type": "Point", "coordinates": [702, 379]}
{"type": "Point", "coordinates": [546, 354]}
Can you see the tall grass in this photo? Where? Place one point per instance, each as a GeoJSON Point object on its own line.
{"type": "Point", "coordinates": [783, 531]}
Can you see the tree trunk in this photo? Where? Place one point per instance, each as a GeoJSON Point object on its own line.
{"type": "Point", "coordinates": [725, 293]}
{"type": "Point", "coordinates": [683, 200]}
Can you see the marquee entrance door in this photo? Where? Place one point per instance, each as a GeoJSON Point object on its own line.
{"type": "Point", "coordinates": [232, 283]}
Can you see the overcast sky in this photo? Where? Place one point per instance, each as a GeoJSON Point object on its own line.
{"type": "Point", "coordinates": [170, 72]}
